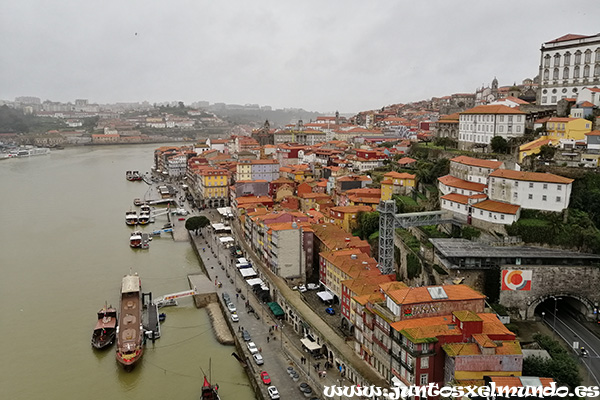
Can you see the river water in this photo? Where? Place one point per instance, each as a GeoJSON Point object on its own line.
{"type": "Point", "coordinates": [64, 249]}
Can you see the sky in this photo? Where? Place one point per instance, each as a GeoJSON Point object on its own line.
{"type": "Point", "coordinates": [345, 55]}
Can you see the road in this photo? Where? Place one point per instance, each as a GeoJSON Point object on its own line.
{"type": "Point", "coordinates": [275, 360]}
{"type": "Point", "coordinates": [571, 330]}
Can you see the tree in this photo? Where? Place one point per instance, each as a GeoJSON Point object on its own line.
{"type": "Point", "coordinates": [499, 144]}
{"type": "Point", "coordinates": [196, 223]}
{"type": "Point", "coordinates": [546, 152]}
{"type": "Point", "coordinates": [368, 223]}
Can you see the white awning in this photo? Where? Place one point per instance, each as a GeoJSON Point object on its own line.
{"type": "Point", "coordinates": [255, 281]}
{"type": "Point", "coordinates": [309, 344]}
{"type": "Point", "coordinates": [325, 296]}
{"type": "Point", "coordinates": [242, 261]}
{"type": "Point", "coordinates": [226, 239]}
{"type": "Point", "coordinates": [247, 272]}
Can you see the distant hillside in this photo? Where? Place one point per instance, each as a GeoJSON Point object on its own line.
{"type": "Point", "coordinates": [277, 118]}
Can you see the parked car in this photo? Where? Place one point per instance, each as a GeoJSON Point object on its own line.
{"type": "Point", "coordinates": [231, 307]}
{"type": "Point", "coordinates": [226, 297]}
{"type": "Point", "coordinates": [312, 286]}
{"type": "Point", "coordinates": [258, 359]}
{"type": "Point", "coordinates": [273, 393]}
{"type": "Point", "coordinates": [330, 311]}
{"type": "Point", "coordinates": [246, 335]}
{"type": "Point", "coordinates": [265, 378]}
{"type": "Point", "coordinates": [252, 347]}
{"type": "Point", "coordinates": [235, 317]}
{"type": "Point", "coordinates": [302, 288]}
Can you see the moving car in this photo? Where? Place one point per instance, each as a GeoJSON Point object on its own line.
{"type": "Point", "coordinates": [273, 392]}
{"type": "Point", "coordinates": [235, 317]}
{"type": "Point", "coordinates": [330, 311]}
{"type": "Point", "coordinates": [231, 307]}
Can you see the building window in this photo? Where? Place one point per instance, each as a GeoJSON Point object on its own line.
{"type": "Point", "coordinates": [555, 74]}
{"type": "Point", "coordinates": [547, 60]}
{"type": "Point", "coordinates": [501, 118]}
{"type": "Point", "coordinates": [586, 71]}
{"type": "Point", "coordinates": [545, 186]}
{"type": "Point", "coordinates": [556, 60]}
{"type": "Point", "coordinates": [559, 187]}
{"type": "Point", "coordinates": [423, 380]}
{"type": "Point", "coordinates": [588, 56]}
{"type": "Point", "coordinates": [597, 70]}
{"type": "Point", "coordinates": [480, 212]}
{"type": "Point", "coordinates": [530, 196]}
{"type": "Point", "coordinates": [546, 74]}
{"type": "Point", "coordinates": [567, 58]}
{"type": "Point", "coordinates": [424, 362]}
{"type": "Point", "coordinates": [501, 216]}
{"type": "Point", "coordinates": [490, 215]}
{"type": "Point", "coordinates": [553, 99]}
{"type": "Point", "coordinates": [566, 73]}
{"type": "Point", "coordinates": [576, 72]}
{"type": "Point", "coordinates": [577, 57]}
{"type": "Point", "coordinates": [544, 99]}
{"type": "Point", "coordinates": [544, 198]}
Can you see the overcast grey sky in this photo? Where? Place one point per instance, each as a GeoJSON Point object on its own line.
{"type": "Point", "coordinates": [318, 55]}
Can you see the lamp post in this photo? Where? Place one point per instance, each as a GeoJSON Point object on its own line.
{"type": "Point", "coordinates": [556, 299]}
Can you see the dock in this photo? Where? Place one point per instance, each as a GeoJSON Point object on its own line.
{"type": "Point", "coordinates": [207, 297]}
{"type": "Point", "coordinates": [150, 317]}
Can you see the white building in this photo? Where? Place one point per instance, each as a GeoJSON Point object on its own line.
{"type": "Point", "coordinates": [177, 165]}
{"type": "Point", "coordinates": [530, 190]}
{"type": "Point", "coordinates": [478, 125]}
{"type": "Point", "coordinates": [567, 65]}
{"type": "Point", "coordinates": [473, 169]}
{"type": "Point", "coordinates": [450, 184]}
{"type": "Point", "coordinates": [590, 94]}
{"type": "Point", "coordinates": [495, 212]}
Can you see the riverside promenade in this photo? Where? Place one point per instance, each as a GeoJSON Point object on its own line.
{"type": "Point", "coordinates": [283, 349]}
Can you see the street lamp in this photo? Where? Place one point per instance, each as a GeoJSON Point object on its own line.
{"type": "Point", "coordinates": [556, 299]}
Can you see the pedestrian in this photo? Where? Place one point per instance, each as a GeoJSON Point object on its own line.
{"type": "Point", "coordinates": [268, 338]}
{"type": "Point", "coordinates": [237, 295]}
{"type": "Point", "coordinates": [260, 349]}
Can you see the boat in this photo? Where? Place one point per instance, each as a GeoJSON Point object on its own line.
{"type": "Point", "coordinates": [131, 218]}
{"type": "Point", "coordinates": [145, 208]}
{"type": "Point", "coordinates": [143, 218]}
{"type": "Point", "coordinates": [210, 392]}
{"type": "Point", "coordinates": [129, 175]}
{"type": "Point", "coordinates": [137, 202]}
{"type": "Point", "coordinates": [130, 332]}
{"type": "Point", "coordinates": [135, 240]}
{"type": "Point", "coordinates": [105, 330]}
{"type": "Point", "coordinates": [136, 176]}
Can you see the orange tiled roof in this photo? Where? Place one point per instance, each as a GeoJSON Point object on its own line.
{"type": "Point", "coordinates": [497, 206]}
{"type": "Point", "coordinates": [569, 36]}
{"type": "Point", "coordinates": [456, 198]}
{"type": "Point", "coordinates": [586, 104]}
{"type": "Point", "coordinates": [593, 133]}
{"type": "Point", "coordinates": [399, 175]}
{"type": "Point", "coordinates": [530, 176]}
{"type": "Point", "coordinates": [477, 162]}
{"type": "Point", "coordinates": [416, 295]}
{"type": "Point", "coordinates": [452, 181]}
{"type": "Point", "coordinates": [535, 144]}
{"type": "Point", "coordinates": [351, 209]}
{"type": "Point", "coordinates": [406, 160]}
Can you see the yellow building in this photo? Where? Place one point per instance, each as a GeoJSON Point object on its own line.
{"type": "Point", "coordinates": [243, 171]}
{"type": "Point", "coordinates": [347, 216]}
{"type": "Point", "coordinates": [533, 147]}
{"type": "Point", "coordinates": [567, 128]}
{"type": "Point", "coordinates": [214, 187]}
{"type": "Point", "coordinates": [397, 183]}
{"type": "Point", "coordinates": [557, 130]}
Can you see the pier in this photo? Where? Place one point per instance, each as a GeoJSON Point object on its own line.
{"type": "Point", "coordinates": [207, 297]}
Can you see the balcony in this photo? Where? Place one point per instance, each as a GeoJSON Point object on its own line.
{"type": "Point", "coordinates": [414, 352]}
{"type": "Point", "coordinates": [380, 344]}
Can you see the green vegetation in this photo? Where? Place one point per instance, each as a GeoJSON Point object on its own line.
{"type": "Point", "coordinates": [409, 240]}
{"type": "Point", "coordinates": [546, 152]}
{"type": "Point", "coordinates": [196, 223]}
{"type": "Point", "coordinates": [432, 232]}
{"type": "Point", "coordinates": [513, 328]}
{"type": "Point", "coordinates": [572, 228]}
{"type": "Point", "coordinates": [439, 269]}
{"type": "Point", "coordinates": [413, 266]}
{"type": "Point", "coordinates": [368, 223]}
{"type": "Point", "coordinates": [500, 309]}
{"type": "Point", "coordinates": [562, 367]}
{"type": "Point", "coordinates": [445, 142]}
{"type": "Point", "coordinates": [499, 145]}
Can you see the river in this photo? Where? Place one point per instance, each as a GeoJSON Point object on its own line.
{"type": "Point", "coordinates": [64, 249]}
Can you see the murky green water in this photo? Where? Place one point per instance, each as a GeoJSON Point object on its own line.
{"type": "Point", "coordinates": [63, 250]}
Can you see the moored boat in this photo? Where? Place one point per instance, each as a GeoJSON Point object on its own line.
{"type": "Point", "coordinates": [135, 240]}
{"type": "Point", "coordinates": [105, 330]}
{"type": "Point", "coordinates": [129, 175]}
{"type": "Point", "coordinates": [130, 332]}
{"type": "Point", "coordinates": [143, 218]}
{"type": "Point", "coordinates": [210, 392]}
{"type": "Point", "coordinates": [145, 208]}
{"type": "Point", "coordinates": [137, 202]}
{"type": "Point", "coordinates": [131, 218]}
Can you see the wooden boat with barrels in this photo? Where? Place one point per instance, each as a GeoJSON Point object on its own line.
{"type": "Point", "coordinates": [106, 327]}
{"type": "Point", "coordinates": [130, 332]}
